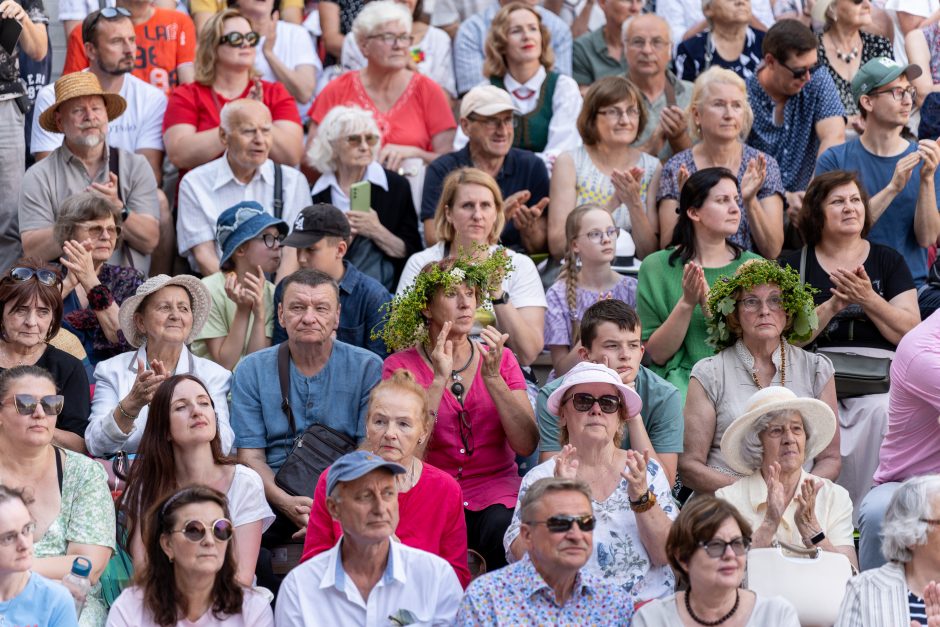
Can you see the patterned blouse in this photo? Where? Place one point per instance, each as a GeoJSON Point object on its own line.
{"type": "Point", "coordinates": [558, 317]}
{"type": "Point", "coordinates": [872, 46]}
{"type": "Point", "coordinates": [932, 35]}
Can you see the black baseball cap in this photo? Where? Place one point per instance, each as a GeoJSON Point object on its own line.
{"type": "Point", "coordinates": [316, 222]}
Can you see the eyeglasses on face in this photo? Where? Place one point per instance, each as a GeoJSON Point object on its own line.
{"type": "Point", "coordinates": [96, 230]}
{"type": "Point", "coordinates": [388, 39]}
{"type": "Point", "coordinates": [800, 72]}
{"type": "Point", "coordinates": [898, 93]}
{"type": "Point", "coordinates": [583, 401]}
{"type": "Point", "coordinates": [752, 303]}
{"type": "Point", "coordinates": [356, 140]}
{"type": "Point", "coordinates": [493, 123]}
{"type": "Point", "coordinates": [776, 431]}
{"type": "Point", "coordinates": [564, 522]}
{"type": "Point", "coordinates": [25, 404]}
{"type": "Point", "coordinates": [271, 241]}
{"type": "Point", "coordinates": [615, 114]}
{"type": "Point", "coordinates": [9, 538]}
{"type": "Point", "coordinates": [658, 43]}
{"type": "Point", "coordinates": [196, 530]}
{"type": "Point", "coordinates": [597, 235]}
{"type": "Point", "coordinates": [237, 40]}
{"type": "Point", "coordinates": [717, 548]}
{"type": "Point", "coordinates": [46, 277]}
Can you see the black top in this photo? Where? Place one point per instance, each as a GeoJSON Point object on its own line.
{"type": "Point", "coordinates": [889, 276]}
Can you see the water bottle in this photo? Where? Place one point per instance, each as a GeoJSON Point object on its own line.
{"type": "Point", "coordinates": [78, 583]}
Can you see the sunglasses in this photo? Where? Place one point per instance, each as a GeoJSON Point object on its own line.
{"type": "Point", "coordinates": [107, 13]}
{"type": "Point", "coordinates": [717, 548]}
{"type": "Point", "coordinates": [236, 40]}
{"type": "Point", "coordinates": [195, 530]}
{"type": "Point", "coordinates": [466, 430]}
{"type": "Point", "coordinates": [25, 404]}
{"type": "Point", "coordinates": [356, 140]}
{"type": "Point", "coordinates": [583, 401]}
{"type": "Point", "coordinates": [563, 522]}
{"type": "Point", "coordinates": [799, 73]}
{"type": "Point", "coordinates": [46, 277]}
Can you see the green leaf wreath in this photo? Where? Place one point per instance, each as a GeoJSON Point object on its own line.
{"type": "Point", "coordinates": [405, 324]}
{"type": "Point", "coordinates": [797, 300]}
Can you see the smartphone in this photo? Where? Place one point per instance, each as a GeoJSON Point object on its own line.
{"type": "Point", "coordinates": [360, 196]}
{"type": "Point", "coordinates": [10, 31]}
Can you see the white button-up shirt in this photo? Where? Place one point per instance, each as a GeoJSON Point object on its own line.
{"type": "Point", "coordinates": [205, 192]}
{"type": "Point", "coordinates": [374, 174]}
{"type": "Point", "coordinates": [319, 592]}
{"type": "Point", "coordinates": [114, 379]}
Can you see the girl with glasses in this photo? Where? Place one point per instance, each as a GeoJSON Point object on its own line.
{"type": "Point", "coordinates": [192, 565]}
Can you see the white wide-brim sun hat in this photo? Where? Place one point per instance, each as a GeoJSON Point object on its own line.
{"type": "Point", "coordinates": [587, 372]}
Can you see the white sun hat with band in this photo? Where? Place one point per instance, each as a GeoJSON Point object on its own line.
{"type": "Point", "coordinates": [588, 372]}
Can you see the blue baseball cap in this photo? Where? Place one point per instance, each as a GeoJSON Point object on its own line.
{"type": "Point", "coordinates": [246, 220]}
{"type": "Point", "coordinates": [353, 465]}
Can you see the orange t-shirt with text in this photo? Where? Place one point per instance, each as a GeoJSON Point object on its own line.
{"type": "Point", "coordinates": [164, 42]}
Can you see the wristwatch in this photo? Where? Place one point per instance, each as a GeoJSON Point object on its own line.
{"type": "Point", "coordinates": [819, 537]}
{"type": "Point", "coordinates": [502, 300]}
{"type": "Point", "coordinates": [644, 503]}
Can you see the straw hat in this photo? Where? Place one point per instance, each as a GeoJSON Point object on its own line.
{"type": "Point", "coordinates": [197, 292]}
{"type": "Point", "coordinates": [588, 372]}
{"type": "Point", "coordinates": [817, 416]}
{"type": "Point", "coordinates": [76, 85]}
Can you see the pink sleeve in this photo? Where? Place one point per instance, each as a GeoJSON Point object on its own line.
{"type": "Point", "coordinates": [279, 101]}
{"type": "Point", "coordinates": [322, 530]}
{"type": "Point", "coordinates": [436, 108]}
{"type": "Point", "coordinates": [181, 107]}
{"type": "Point", "coordinates": [511, 371]}
{"type": "Point", "coordinates": [454, 534]}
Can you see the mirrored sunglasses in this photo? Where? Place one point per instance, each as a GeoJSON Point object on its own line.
{"type": "Point", "coordinates": [46, 277]}
{"type": "Point", "coordinates": [25, 404]}
{"type": "Point", "coordinates": [195, 530]}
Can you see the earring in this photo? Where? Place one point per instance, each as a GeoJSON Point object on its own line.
{"type": "Point", "coordinates": [420, 440]}
{"type": "Point", "coordinates": [577, 262]}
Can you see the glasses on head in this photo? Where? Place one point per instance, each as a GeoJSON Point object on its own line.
{"type": "Point", "coordinates": [583, 401]}
{"type": "Point", "coordinates": [752, 303]}
{"type": "Point", "coordinates": [564, 522]}
{"type": "Point", "coordinates": [25, 404]}
{"type": "Point", "coordinates": [597, 235]}
{"type": "Point", "coordinates": [801, 72]}
{"type": "Point", "coordinates": [388, 39]}
{"type": "Point", "coordinates": [46, 277]}
{"type": "Point", "coordinates": [493, 123]}
{"type": "Point", "coordinates": [9, 538]}
{"type": "Point", "coordinates": [271, 240]}
{"type": "Point", "coordinates": [658, 43]}
{"type": "Point", "coordinates": [356, 140]}
{"type": "Point", "coordinates": [107, 13]}
{"type": "Point", "coordinates": [237, 40]}
{"type": "Point", "coordinates": [196, 530]}
{"type": "Point", "coordinates": [717, 548]}
{"type": "Point", "coordinates": [615, 114]}
{"type": "Point", "coordinates": [776, 431]}
{"type": "Point", "coordinates": [466, 430]}
{"type": "Point", "coordinates": [96, 231]}
{"type": "Point", "coordinates": [898, 93]}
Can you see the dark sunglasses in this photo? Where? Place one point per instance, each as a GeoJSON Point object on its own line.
{"type": "Point", "coordinates": [235, 40]}
{"type": "Point", "coordinates": [717, 548]}
{"type": "Point", "coordinates": [46, 277]}
{"type": "Point", "coordinates": [799, 73]}
{"type": "Point", "coordinates": [356, 140]}
{"type": "Point", "coordinates": [563, 522]}
{"type": "Point", "coordinates": [583, 401]}
{"type": "Point", "coordinates": [25, 404]}
{"type": "Point", "coordinates": [108, 13]}
{"type": "Point", "coordinates": [195, 530]}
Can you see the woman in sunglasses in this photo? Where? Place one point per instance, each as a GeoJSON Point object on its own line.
{"type": "Point", "coordinates": [707, 548]}
{"type": "Point", "coordinates": [89, 231]}
{"type": "Point", "coordinates": [225, 58]}
{"type": "Point", "coordinates": [73, 511]}
{"type": "Point", "coordinates": [181, 447]}
{"type": "Point", "coordinates": [346, 151]}
{"type": "Point", "coordinates": [631, 500]}
{"type": "Point", "coordinates": [190, 575]}
{"type": "Point", "coordinates": [31, 304]}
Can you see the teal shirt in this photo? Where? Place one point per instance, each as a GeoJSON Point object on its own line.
{"type": "Point", "coordinates": [662, 414]}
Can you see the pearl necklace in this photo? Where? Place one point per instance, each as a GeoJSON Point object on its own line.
{"type": "Point", "coordinates": [783, 368]}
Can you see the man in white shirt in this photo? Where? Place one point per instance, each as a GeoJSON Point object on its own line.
{"type": "Point", "coordinates": [243, 172]}
{"type": "Point", "coordinates": [368, 579]}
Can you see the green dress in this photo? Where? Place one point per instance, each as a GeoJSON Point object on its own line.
{"type": "Point", "coordinates": [659, 289]}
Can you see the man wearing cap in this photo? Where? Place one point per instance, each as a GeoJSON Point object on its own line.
{"type": "Point", "coordinates": [321, 236]}
{"type": "Point", "coordinates": [81, 111]}
{"type": "Point", "coordinates": [241, 312]}
{"type": "Point", "coordinates": [244, 172]}
{"type": "Point", "coordinates": [898, 173]}
{"type": "Point", "coordinates": [368, 578]}
{"type": "Point", "coordinates": [486, 119]}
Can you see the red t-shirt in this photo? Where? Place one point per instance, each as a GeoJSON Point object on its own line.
{"type": "Point", "coordinates": [418, 115]}
{"type": "Point", "coordinates": [164, 42]}
{"type": "Point", "coordinates": [199, 105]}
{"type": "Point", "coordinates": [430, 518]}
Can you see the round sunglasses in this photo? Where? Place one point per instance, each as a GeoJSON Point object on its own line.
{"type": "Point", "coordinates": [583, 401]}
{"type": "Point", "coordinates": [236, 40]}
{"type": "Point", "coordinates": [25, 404]}
{"type": "Point", "coordinates": [195, 530]}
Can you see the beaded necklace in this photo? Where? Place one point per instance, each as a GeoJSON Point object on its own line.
{"type": "Point", "coordinates": [783, 368]}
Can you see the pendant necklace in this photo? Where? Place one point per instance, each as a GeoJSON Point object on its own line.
{"type": "Point", "coordinates": [456, 388]}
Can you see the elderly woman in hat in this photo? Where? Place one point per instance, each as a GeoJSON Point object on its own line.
{"type": "Point", "coordinates": [160, 320]}
{"type": "Point", "coordinates": [241, 310]}
{"type": "Point", "coordinates": [768, 445]}
{"type": "Point", "coordinates": [632, 503]}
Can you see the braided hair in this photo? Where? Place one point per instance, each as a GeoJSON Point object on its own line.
{"type": "Point", "coordinates": [572, 265]}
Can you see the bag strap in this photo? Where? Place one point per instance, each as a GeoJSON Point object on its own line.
{"type": "Point", "coordinates": [283, 375]}
{"type": "Point", "coordinates": [799, 550]}
{"type": "Point", "coordinates": [803, 264]}
{"type": "Point", "coordinates": [278, 191]}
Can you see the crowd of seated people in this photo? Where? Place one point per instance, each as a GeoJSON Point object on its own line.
{"type": "Point", "coordinates": [349, 312]}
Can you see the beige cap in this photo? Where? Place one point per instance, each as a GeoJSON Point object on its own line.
{"type": "Point", "coordinates": [486, 100]}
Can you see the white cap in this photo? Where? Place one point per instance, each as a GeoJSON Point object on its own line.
{"type": "Point", "coordinates": [486, 100]}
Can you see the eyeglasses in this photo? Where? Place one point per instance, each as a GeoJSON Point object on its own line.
{"type": "Point", "coordinates": [597, 236]}
{"type": "Point", "coordinates": [25, 404]}
{"type": "Point", "coordinates": [639, 43]}
{"type": "Point", "coordinates": [236, 40]}
{"type": "Point", "coordinates": [46, 277]}
{"type": "Point", "coordinates": [776, 431]}
{"type": "Point", "coordinates": [608, 403]}
{"type": "Point", "coordinates": [356, 140]}
{"type": "Point", "coordinates": [717, 548]}
{"type": "Point", "coordinates": [799, 73]}
{"type": "Point", "coordinates": [898, 93]}
{"type": "Point", "coordinates": [564, 522]}
{"type": "Point", "coordinates": [929, 521]}
{"type": "Point", "coordinates": [271, 240]}
{"type": "Point", "coordinates": [97, 231]}
{"type": "Point", "coordinates": [9, 538]}
{"type": "Point", "coordinates": [388, 39]}
{"type": "Point", "coordinates": [752, 303]}
{"type": "Point", "coordinates": [195, 530]}
{"type": "Point", "coordinates": [466, 430]}
{"type": "Point", "coordinates": [107, 13]}
{"type": "Point", "coordinates": [492, 124]}
{"type": "Point", "coordinates": [615, 114]}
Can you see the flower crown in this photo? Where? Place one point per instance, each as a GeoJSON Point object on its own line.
{"type": "Point", "coordinates": [797, 300]}
{"type": "Point", "coordinates": [405, 324]}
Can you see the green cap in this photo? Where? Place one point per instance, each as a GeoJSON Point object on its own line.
{"type": "Point", "coordinates": [878, 72]}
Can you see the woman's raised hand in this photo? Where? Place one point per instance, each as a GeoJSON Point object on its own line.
{"type": "Point", "coordinates": [77, 258]}
{"type": "Point", "coordinates": [566, 463]}
{"type": "Point", "coordinates": [694, 285]}
{"type": "Point", "coordinates": [776, 498]}
{"type": "Point", "coordinates": [931, 605]}
{"type": "Point", "coordinates": [681, 177]}
{"type": "Point", "coordinates": [145, 384]}
{"type": "Point", "coordinates": [805, 516]}
{"type": "Point", "coordinates": [442, 357]}
{"type": "Point", "coordinates": [628, 187]}
{"type": "Point", "coordinates": [495, 341]}
{"type": "Point", "coordinates": [852, 286]}
{"type": "Point", "coordinates": [635, 474]}
{"type": "Point", "coordinates": [753, 177]}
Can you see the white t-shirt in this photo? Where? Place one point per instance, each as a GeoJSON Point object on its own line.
{"type": "Point", "coordinates": [294, 47]}
{"type": "Point", "coordinates": [79, 9]}
{"type": "Point", "coordinates": [246, 502]}
{"type": "Point", "coordinates": [139, 127]}
{"type": "Point", "coordinates": [129, 611]}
